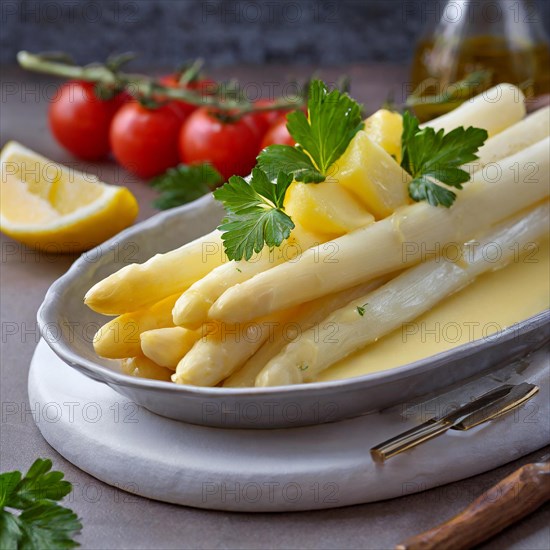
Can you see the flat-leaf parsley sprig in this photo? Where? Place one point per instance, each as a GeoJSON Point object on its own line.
{"type": "Point", "coordinates": [255, 211]}
{"type": "Point", "coordinates": [430, 156]}
{"type": "Point", "coordinates": [322, 137]}
{"type": "Point", "coordinates": [30, 517]}
{"type": "Point", "coordinates": [183, 184]}
{"type": "Point", "coordinates": [255, 215]}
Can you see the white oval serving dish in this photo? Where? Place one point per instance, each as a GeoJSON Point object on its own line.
{"type": "Point", "coordinates": [68, 327]}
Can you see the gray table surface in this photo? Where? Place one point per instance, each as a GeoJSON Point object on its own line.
{"type": "Point", "coordinates": [113, 519]}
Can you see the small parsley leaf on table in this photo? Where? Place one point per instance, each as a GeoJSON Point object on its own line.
{"type": "Point", "coordinates": [431, 157]}
{"type": "Point", "coordinates": [255, 214]}
{"type": "Point", "coordinates": [184, 184]}
{"type": "Point", "coordinates": [42, 523]}
{"type": "Point", "coordinates": [322, 137]}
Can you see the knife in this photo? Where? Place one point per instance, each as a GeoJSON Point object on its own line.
{"type": "Point", "coordinates": [488, 406]}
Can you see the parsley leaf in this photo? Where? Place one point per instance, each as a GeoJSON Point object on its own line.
{"type": "Point", "coordinates": [430, 156]}
{"type": "Point", "coordinates": [362, 309]}
{"type": "Point", "coordinates": [334, 119]}
{"type": "Point", "coordinates": [41, 523]}
{"type": "Point", "coordinates": [290, 160]}
{"type": "Point", "coordinates": [255, 214]}
{"type": "Point", "coordinates": [184, 184]}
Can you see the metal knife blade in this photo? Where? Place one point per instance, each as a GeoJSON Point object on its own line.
{"type": "Point", "coordinates": [481, 403]}
{"type": "Point", "coordinates": [490, 405]}
{"type": "Point", "coordinates": [514, 398]}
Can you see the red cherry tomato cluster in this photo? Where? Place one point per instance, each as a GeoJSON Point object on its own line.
{"type": "Point", "coordinates": [148, 141]}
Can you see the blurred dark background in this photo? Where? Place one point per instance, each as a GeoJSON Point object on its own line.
{"type": "Point", "coordinates": [224, 32]}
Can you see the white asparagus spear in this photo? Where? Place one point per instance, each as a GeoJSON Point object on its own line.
{"type": "Point", "coordinates": [401, 300]}
{"type": "Point", "coordinates": [120, 337]}
{"type": "Point", "coordinates": [191, 309]}
{"type": "Point", "coordinates": [310, 315]}
{"type": "Point", "coordinates": [393, 243]}
{"type": "Point", "coordinates": [166, 346]}
{"type": "Point", "coordinates": [145, 368]}
{"type": "Point", "coordinates": [216, 355]}
{"type": "Point", "coordinates": [515, 138]}
{"type": "Point", "coordinates": [138, 285]}
{"type": "Point", "coordinates": [494, 110]}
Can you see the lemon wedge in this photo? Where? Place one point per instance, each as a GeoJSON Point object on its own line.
{"type": "Point", "coordinates": [54, 208]}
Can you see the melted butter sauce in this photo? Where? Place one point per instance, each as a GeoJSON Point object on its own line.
{"type": "Point", "coordinates": [493, 302]}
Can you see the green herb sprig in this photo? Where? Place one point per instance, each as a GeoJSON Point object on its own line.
{"type": "Point", "coordinates": [255, 214]}
{"type": "Point", "coordinates": [322, 137]}
{"type": "Point", "coordinates": [184, 184]}
{"type": "Point", "coordinates": [431, 157]}
{"type": "Point", "coordinates": [30, 516]}
{"type": "Point", "coordinates": [255, 210]}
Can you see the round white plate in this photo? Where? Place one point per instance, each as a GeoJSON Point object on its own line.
{"type": "Point", "coordinates": [323, 466]}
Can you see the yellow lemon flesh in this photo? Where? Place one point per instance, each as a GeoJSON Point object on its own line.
{"type": "Point", "coordinates": [51, 207]}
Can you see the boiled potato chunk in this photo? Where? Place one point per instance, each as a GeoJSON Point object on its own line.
{"type": "Point", "coordinates": [370, 173]}
{"type": "Point", "coordinates": [325, 208]}
{"type": "Point", "coordinates": [385, 128]}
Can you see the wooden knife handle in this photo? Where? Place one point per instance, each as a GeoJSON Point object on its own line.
{"type": "Point", "coordinates": [517, 495]}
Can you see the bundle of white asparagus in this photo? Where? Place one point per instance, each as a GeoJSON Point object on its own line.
{"type": "Point", "coordinates": [342, 280]}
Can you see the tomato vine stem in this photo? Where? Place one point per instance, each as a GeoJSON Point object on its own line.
{"type": "Point", "coordinates": [147, 87]}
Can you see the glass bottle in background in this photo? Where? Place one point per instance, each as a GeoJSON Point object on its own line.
{"type": "Point", "coordinates": [504, 37]}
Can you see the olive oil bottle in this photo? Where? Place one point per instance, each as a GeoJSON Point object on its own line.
{"type": "Point", "coordinates": [505, 39]}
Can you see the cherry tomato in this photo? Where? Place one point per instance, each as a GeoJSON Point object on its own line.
{"type": "Point", "coordinates": [231, 147]}
{"type": "Point", "coordinates": [278, 134]}
{"type": "Point", "coordinates": [258, 127]}
{"type": "Point", "coordinates": [266, 119]}
{"type": "Point", "coordinates": [80, 121]}
{"type": "Point", "coordinates": [270, 118]}
{"type": "Point", "coordinates": [204, 86]}
{"type": "Point", "coordinates": [145, 141]}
